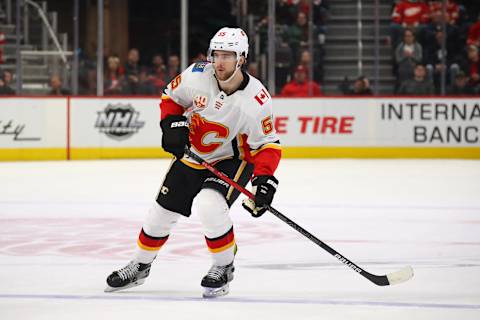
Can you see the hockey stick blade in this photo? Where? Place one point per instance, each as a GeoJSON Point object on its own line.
{"type": "Point", "coordinates": [383, 280]}
{"type": "Point", "coordinates": [400, 276]}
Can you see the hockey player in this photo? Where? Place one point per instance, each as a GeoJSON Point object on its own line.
{"type": "Point", "coordinates": [225, 116]}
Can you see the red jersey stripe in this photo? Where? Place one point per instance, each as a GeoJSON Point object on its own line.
{"type": "Point", "coordinates": [169, 107]}
{"type": "Point", "coordinates": [266, 161]}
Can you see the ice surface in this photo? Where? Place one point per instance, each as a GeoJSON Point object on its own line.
{"type": "Point", "coordinates": [66, 225]}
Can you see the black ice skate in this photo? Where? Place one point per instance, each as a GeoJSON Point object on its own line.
{"type": "Point", "coordinates": [216, 281]}
{"type": "Point", "coordinates": [132, 275]}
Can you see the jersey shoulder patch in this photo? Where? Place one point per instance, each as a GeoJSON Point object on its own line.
{"type": "Point", "coordinates": [262, 96]}
{"type": "Point", "coordinates": [199, 66]}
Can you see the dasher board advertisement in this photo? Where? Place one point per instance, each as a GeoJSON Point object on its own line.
{"type": "Point", "coordinates": [114, 122]}
{"type": "Point", "coordinates": [111, 127]}
{"type": "Point", "coordinates": [33, 128]}
{"type": "Point", "coordinates": [395, 122]}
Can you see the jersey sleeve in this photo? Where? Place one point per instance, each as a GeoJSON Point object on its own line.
{"type": "Point", "coordinates": [177, 96]}
{"type": "Point", "coordinates": [265, 148]}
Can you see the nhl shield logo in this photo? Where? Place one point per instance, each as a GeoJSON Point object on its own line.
{"type": "Point", "coordinates": [200, 101]}
{"type": "Point", "coordinates": [119, 121]}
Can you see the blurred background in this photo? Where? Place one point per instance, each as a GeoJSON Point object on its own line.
{"type": "Point", "coordinates": [297, 47]}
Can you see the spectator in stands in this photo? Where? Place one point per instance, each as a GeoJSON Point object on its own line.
{"type": "Point", "coordinates": [474, 34]}
{"type": "Point", "coordinates": [173, 67]}
{"type": "Point", "coordinates": [87, 75]}
{"type": "Point", "coordinates": [319, 14]}
{"type": "Point", "coordinates": [145, 84]}
{"type": "Point", "coordinates": [306, 58]}
{"type": "Point", "coordinates": [113, 80]}
{"type": "Point", "coordinates": [57, 87]}
{"type": "Point", "coordinates": [452, 10]}
{"type": "Point", "coordinates": [132, 72]}
{"type": "Point", "coordinates": [412, 14]}
{"type": "Point", "coordinates": [454, 43]}
{"type": "Point", "coordinates": [154, 80]}
{"type": "Point", "coordinates": [158, 81]}
{"type": "Point", "coordinates": [437, 19]}
{"type": "Point", "coordinates": [7, 78]}
{"type": "Point", "coordinates": [361, 87]}
{"type": "Point", "coordinates": [460, 86]}
{"type": "Point", "coordinates": [297, 35]}
{"type": "Point", "coordinates": [157, 62]}
{"type": "Point", "coordinates": [433, 58]}
{"type": "Point", "coordinates": [419, 85]}
{"type": "Point", "coordinates": [407, 55]}
{"type": "Point", "coordinates": [5, 89]}
{"type": "Point", "coordinates": [471, 66]}
{"type": "Point", "coordinates": [300, 86]}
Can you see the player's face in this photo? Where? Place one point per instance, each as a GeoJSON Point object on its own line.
{"type": "Point", "coordinates": [224, 63]}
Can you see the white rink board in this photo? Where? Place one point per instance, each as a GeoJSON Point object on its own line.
{"type": "Point", "coordinates": [385, 122]}
{"type": "Point", "coordinates": [128, 127]}
{"type": "Point", "coordinates": [33, 123]}
{"type": "Point", "coordinates": [136, 121]}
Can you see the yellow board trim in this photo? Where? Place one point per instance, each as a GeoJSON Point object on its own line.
{"type": "Point", "coordinates": [287, 152]}
{"type": "Point", "coordinates": [33, 154]}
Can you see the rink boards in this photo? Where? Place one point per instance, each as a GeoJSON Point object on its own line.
{"type": "Point", "coordinates": [386, 127]}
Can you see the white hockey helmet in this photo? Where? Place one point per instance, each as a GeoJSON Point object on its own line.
{"type": "Point", "coordinates": [229, 39]}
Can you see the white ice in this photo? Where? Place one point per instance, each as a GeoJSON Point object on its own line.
{"type": "Point", "coordinates": [64, 226]}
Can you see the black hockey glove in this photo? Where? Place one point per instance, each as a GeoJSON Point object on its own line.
{"type": "Point", "coordinates": [264, 188]}
{"type": "Point", "coordinates": [175, 135]}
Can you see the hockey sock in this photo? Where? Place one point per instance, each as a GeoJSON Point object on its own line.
{"type": "Point", "coordinates": [213, 210]}
{"type": "Point", "coordinates": [222, 248]}
{"type": "Point", "coordinates": [155, 231]}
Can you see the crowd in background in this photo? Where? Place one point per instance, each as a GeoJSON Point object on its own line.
{"type": "Point", "coordinates": [416, 38]}
{"type": "Point", "coordinates": [131, 77]}
{"type": "Point", "coordinates": [292, 46]}
{"type": "Point", "coordinates": [417, 35]}
{"type": "Point", "coordinates": [293, 57]}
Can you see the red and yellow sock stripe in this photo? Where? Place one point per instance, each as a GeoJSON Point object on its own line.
{"type": "Point", "coordinates": [150, 243]}
{"type": "Point", "coordinates": [222, 243]}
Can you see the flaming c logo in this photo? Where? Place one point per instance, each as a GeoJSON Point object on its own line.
{"type": "Point", "coordinates": [200, 128]}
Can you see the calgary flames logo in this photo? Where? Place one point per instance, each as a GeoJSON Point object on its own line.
{"type": "Point", "coordinates": [205, 135]}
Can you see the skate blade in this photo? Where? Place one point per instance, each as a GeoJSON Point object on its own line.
{"type": "Point", "coordinates": [130, 285]}
{"type": "Point", "coordinates": [215, 292]}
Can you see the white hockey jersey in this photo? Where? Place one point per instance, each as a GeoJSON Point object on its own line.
{"type": "Point", "coordinates": [222, 126]}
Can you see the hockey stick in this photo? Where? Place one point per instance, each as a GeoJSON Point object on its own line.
{"type": "Point", "coordinates": [384, 280]}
